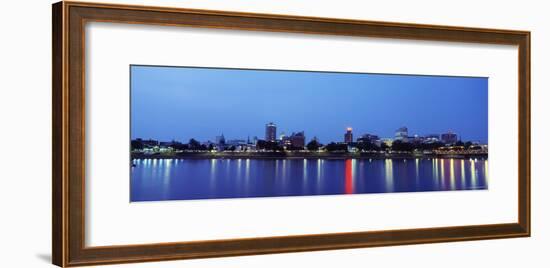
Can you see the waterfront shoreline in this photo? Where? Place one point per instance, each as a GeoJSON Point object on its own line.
{"type": "Point", "coordinates": [275, 156]}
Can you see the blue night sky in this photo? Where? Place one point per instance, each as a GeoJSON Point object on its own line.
{"type": "Point", "coordinates": [182, 103]}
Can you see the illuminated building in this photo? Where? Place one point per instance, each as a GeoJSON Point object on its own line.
{"type": "Point", "coordinates": [402, 134]}
{"type": "Point", "coordinates": [298, 139]}
{"type": "Point", "coordinates": [270, 132]}
{"type": "Point", "coordinates": [285, 141]}
{"type": "Point", "coordinates": [449, 137]}
{"type": "Point", "coordinates": [431, 138]}
{"type": "Point", "coordinates": [149, 142]}
{"type": "Point", "coordinates": [368, 138]}
{"type": "Point", "coordinates": [387, 141]}
{"type": "Point", "coordinates": [348, 137]}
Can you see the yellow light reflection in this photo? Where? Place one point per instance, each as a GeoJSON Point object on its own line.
{"type": "Point", "coordinates": [473, 174]}
{"type": "Point", "coordinates": [462, 173]}
{"type": "Point", "coordinates": [353, 167]}
{"type": "Point", "coordinates": [442, 177]}
{"type": "Point", "coordinates": [453, 183]}
{"type": "Point", "coordinates": [389, 175]}
{"type": "Point", "coordinates": [435, 171]}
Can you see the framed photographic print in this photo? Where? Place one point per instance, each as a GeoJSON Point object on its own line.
{"type": "Point", "coordinates": [181, 133]}
{"type": "Point", "coordinates": [180, 117]}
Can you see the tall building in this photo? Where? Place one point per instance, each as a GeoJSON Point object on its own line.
{"type": "Point", "coordinates": [449, 137]}
{"type": "Point", "coordinates": [298, 139]}
{"type": "Point", "coordinates": [270, 132]}
{"type": "Point", "coordinates": [348, 137]}
{"type": "Point", "coordinates": [402, 134]}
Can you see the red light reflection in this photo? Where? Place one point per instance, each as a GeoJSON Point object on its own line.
{"type": "Point", "coordinates": [349, 177]}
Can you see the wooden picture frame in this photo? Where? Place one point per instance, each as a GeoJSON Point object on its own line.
{"type": "Point", "coordinates": [68, 154]}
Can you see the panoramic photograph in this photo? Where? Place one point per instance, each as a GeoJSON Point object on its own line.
{"type": "Point", "coordinates": [211, 133]}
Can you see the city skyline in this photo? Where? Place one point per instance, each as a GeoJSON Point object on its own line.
{"type": "Point", "coordinates": [347, 132]}
{"type": "Point", "coordinates": [173, 103]}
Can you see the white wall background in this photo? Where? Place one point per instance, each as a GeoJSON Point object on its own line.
{"type": "Point", "coordinates": [25, 134]}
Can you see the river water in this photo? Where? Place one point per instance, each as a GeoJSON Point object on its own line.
{"type": "Point", "coordinates": [185, 179]}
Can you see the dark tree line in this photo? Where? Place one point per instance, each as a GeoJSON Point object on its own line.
{"type": "Point", "coordinates": [313, 145]}
{"type": "Point", "coordinates": [336, 147]}
{"type": "Point", "coordinates": [367, 146]}
{"type": "Point", "coordinates": [193, 144]}
{"type": "Point", "coordinates": [269, 146]}
{"type": "Point", "coordinates": [136, 145]}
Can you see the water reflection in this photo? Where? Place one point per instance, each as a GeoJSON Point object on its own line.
{"type": "Point", "coordinates": [416, 164]}
{"type": "Point", "coordinates": [319, 175]}
{"type": "Point", "coordinates": [435, 172]}
{"type": "Point", "coordinates": [277, 168]}
{"type": "Point", "coordinates": [462, 173]}
{"type": "Point", "coordinates": [239, 163]}
{"type": "Point", "coordinates": [442, 175]}
{"type": "Point", "coordinates": [389, 175]}
{"type": "Point", "coordinates": [168, 179]}
{"type": "Point", "coordinates": [213, 169]}
{"type": "Point", "coordinates": [247, 169]}
{"type": "Point", "coordinates": [473, 174]}
{"type": "Point", "coordinates": [349, 177]}
{"type": "Point", "coordinates": [453, 183]}
{"type": "Point", "coordinates": [305, 170]}
{"type": "Point", "coordinates": [319, 161]}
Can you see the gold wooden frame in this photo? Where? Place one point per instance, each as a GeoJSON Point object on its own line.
{"type": "Point", "coordinates": [69, 143]}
